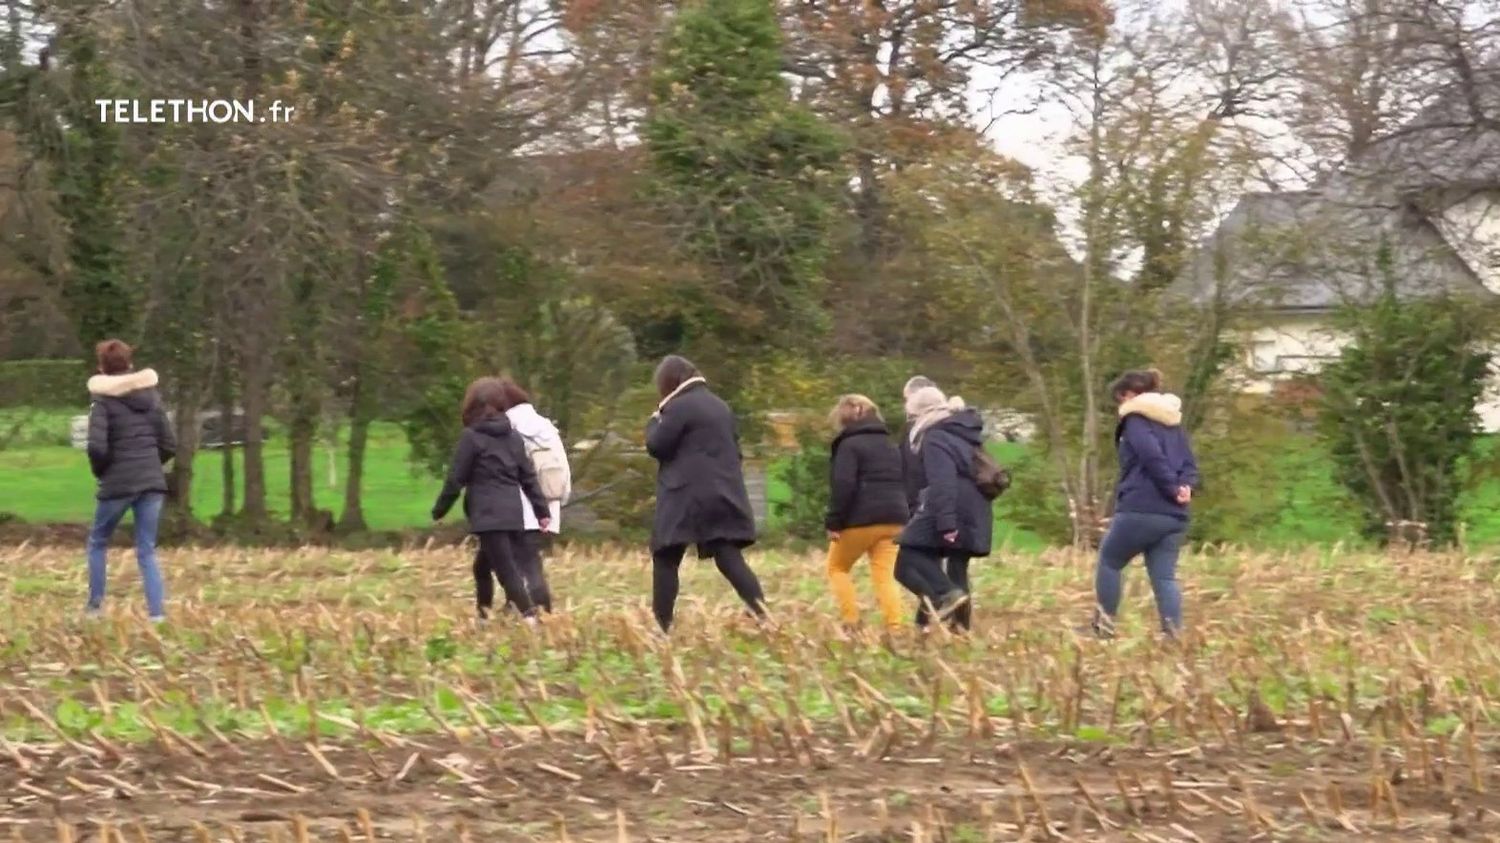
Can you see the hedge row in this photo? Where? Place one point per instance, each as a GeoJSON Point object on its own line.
{"type": "Point", "coordinates": [52, 384]}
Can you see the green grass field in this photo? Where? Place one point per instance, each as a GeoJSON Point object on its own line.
{"type": "Point", "coordinates": [44, 480]}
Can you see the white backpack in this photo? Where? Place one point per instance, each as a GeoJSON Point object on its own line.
{"type": "Point", "coordinates": [551, 468]}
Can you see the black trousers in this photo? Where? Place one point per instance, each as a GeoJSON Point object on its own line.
{"type": "Point", "coordinates": [501, 557]}
{"type": "Point", "coordinates": [533, 569]}
{"type": "Point", "coordinates": [956, 567]}
{"type": "Point", "coordinates": [731, 563]}
{"type": "Point", "coordinates": [931, 574]}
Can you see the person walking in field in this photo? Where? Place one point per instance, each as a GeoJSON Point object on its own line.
{"type": "Point", "coordinates": [492, 469]}
{"type": "Point", "coordinates": [129, 440]}
{"type": "Point", "coordinates": [701, 498]}
{"type": "Point", "coordinates": [866, 508]}
{"type": "Point", "coordinates": [913, 477]}
{"type": "Point", "coordinates": [954, 522]}
{"type": "Point", "coordinates": [1158, 474]}
{"type": "Point", "coordinates": [549, 457]}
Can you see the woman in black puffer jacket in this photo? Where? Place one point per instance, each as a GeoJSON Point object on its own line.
{"type": "Point", "coordinates": [866, 508]}
{"type": "Point", "coordinates": [130, 439]}
{"type": "Point", "coordinates": [954, 522]}
{"type": "Point", "coordinates": [490, 466]}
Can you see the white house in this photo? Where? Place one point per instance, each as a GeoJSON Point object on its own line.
{"type": "Point", "coordinates": [1425, 201]}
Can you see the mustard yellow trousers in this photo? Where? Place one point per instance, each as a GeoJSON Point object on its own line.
{"type": "Point", "coordinates": [879, 543]}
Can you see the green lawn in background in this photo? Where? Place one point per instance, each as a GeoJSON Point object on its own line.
{"type": "Point", "coordinates": [43, 479]}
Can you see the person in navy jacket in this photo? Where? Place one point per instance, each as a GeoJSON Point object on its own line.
{"type": "Point", "coordinates": [1157, 477]}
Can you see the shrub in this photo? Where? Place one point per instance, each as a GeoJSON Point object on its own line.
{"type": "Point", "coordinates": [1399, 411]}
{"type": "Point", "coordinates": [54, 384]}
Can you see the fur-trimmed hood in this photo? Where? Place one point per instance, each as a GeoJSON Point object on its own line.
{"type": "Point", "coordinates": [1160, 407]}
{"type": "Point", "coordinates": [118, 386]}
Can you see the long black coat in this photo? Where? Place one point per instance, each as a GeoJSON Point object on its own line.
{"type": "Point", "coordinates": [866, 479]}
{"type": "Point", "coordinates": [489, 465]}
{"type": "Point", "coordinates": [951, 500]}
{"type": "Point", "coordinates": [130, 437]}
{"type": "Point", "coordinates": [700, 486]}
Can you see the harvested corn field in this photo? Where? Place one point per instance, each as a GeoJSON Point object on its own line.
{"type": "Point", "coordinates": [320, 695]}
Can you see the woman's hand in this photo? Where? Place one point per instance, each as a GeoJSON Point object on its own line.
{"type": "Point", "coordinates": [1184, 494]}
{"type": "Point", "coordinates": [543, 523]}
{"type": "Point", "coordinates": [951, 538]}
{"type": "Point", "coordinates": [833, 535]}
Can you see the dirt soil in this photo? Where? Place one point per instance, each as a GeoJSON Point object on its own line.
{"type": "Point", "coordinates": [628, 787]}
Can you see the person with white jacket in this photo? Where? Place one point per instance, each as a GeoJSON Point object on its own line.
{"type": "Point", "coordinates": [550, 457]}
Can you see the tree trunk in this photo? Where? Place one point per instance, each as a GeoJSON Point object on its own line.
{"type": "Point", "coordinates": [226, 437]}
{"type": "Point", "coordinates": [255, 403]}
{"type": "Point", "coordinates": [360, 413]}
{"type": "Point", "coordinates": [304, 430]}
{"type": "Point", "coordinates": [182, 464]}
{"type": "Point", "coordinates": [869, 210]}
{"type": "Point", "coordinates": [354, 504]}
{"type": "Point", "coordinates": [1086, 515]}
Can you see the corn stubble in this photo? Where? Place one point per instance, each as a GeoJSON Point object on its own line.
{"type": "Point", "coordinates": [310, 695]}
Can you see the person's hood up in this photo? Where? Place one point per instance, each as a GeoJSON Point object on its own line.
{"type": "Point", "coordinates": [1162, 408]}
{"type": "Point", "coordinates": [136, 390]}
{"type": "Point", "coordinates": [496, 426]}
{"type": "Point", "coordinates": [966, 424]}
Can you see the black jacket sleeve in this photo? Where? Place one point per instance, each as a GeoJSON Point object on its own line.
{"type": "Point", "coordinates": [1188, 475]}
{"type": "Point", "coordinates": [166, 437]}
{"type": "Point", "coordinates": [941, 467]}
{"type": "Point", "coordinates": [912, 476]}
{"type": "Point", "coordinates": [844, 483]}
{"type": "Point", "coordinates": [664, 432]}
{"type": "Point", "coordinates": [98, 446]}
{"type": "Point", "coordinates": [458, 476]}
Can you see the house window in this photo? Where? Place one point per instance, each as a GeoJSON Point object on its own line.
{"type": "Point", "coordinates": [1263, 357]}
{"type": "Point", "coordinates": [1304, 365]}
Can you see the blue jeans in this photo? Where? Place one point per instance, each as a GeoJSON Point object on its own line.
{"type": "Point", "coordinates": [107, 516]}
{"type": "Point", "coordinates": [1159, 538]}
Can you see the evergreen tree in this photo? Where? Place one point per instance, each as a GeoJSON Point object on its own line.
{"type": "Point", "coordinates": [1399, 409]}
{"type": "Point", "coordinates": [749, 176]}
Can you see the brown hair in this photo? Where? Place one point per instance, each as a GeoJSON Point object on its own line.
{"type": "Point", "coordinates": [672, 372]}
{"type": "Point", "coordinates": [482, 401]}
{"type": "Point", "coordinates": [1136, 380]}
{"type": "Point", "coordinates": [851, 409]}
{"type": "Point", "coordinates": [114, 357]}
{"type": "Point", "coordinates": [512, 395]}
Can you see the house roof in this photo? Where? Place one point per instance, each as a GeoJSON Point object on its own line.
{"type": "Point", "coordinates": [1318, 249]}
{"type": "Point", "coordinates": [1315, 250]}
{"type": "Point", "coordinates": [1453, 143]}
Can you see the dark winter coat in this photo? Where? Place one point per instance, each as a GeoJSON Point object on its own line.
{"type": "Point", "coordinates": [912, 475]}
{"type": "Point", "coordinates": [700, 486]}
{"type": "Point", "coordinates": [951, 500]}
{"type": "Point", "coordinates": [866, 480]}
{"type": "Point", "coordinates": [490, 465]}
{"type": "Point", "coordinates": [1156, 458]}
{"type": "Point", "coordinates": [130, 437]}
